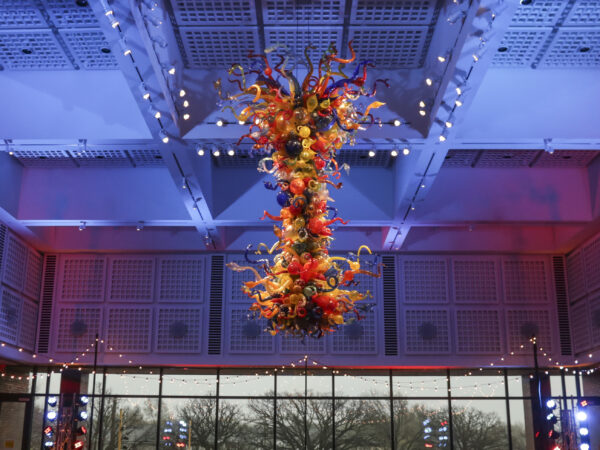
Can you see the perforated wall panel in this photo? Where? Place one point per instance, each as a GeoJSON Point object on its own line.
{"type": "Point", "coordinates": [248, 335]}
{"type": "Point", "coordinates": [32, 50]}
{"type": "Point", "coordinates": [391, 47]}
{"type": "Point", "coordinates": [426, 331]}
{"type": "Point", "coordinates": [77, 328]}
{"type": "Point", "coordinates": [525, 281]}
{"type": "Point", "coordinates": [235, 280]}
{"type": "Point", "coordinates": [82, 278]}
{"type": "Point", "coordinates": [576, 275]}
{"type": "Point", "coordinates": [594, 311]}
{"type": "Point", "coordinates": [33, 275]}
{"type": "Point", "coordinates": [296, 41]}
{"type": "Point", "coordinates": [405, 12]}
{"type": "Point", "coordinates": [573, 48]}
{"type": "Point", "coordinates": [15, 263]}
{"type": "Point", "coordinates": [475, 281]}
{"type": "Point", "coordinates": [425, 280]}
{"type": "Point", "coordinates": [179, 330]}
{"type": "Point", "coordinates": [20, 14]}
{"type": "Point", "coordinates": [28, 325]}
{"type": "Point", "coordinates": [478, 332]}
{"type": "Point", "coordinates": [580, 326]}
{"type": "Point", "coordinates": [214, 12]}
{"type": "Point", "coordinates": [70, 14]}
{"type": "Point", "coordinates": [591, 255]}
{"type": "Point", "coordinates": [302, 12]}
{"type": "Point", "coordinates": [358, 336]}
{"type": "Point", "coordinates": [522, 324]}
{"type": "Point", "coordinates": [213, 47]}
{"type": "Point", "coordinates": [10, 313]}
{"type": "Point", "coordinates": [306, 346]}
{"type": "Point", "coordinates": [131, 278]}
{"type": "Point", "coordinates": [520, 47]}
{"type": "Point", "coordinates": [128, 329]}
{"type": "Point", "coordinates": [181, 279]}
{"type": "Point", "coordinates": [539, 13]}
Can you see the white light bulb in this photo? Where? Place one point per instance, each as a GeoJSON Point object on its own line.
{"type": "Point", "coordinates": [200, 152]}
{"type": "Point", "coordinates": [422, 112]}
{"type": "Point", "coordinates": [581, 416]}
{"type": "Point", "coordinates": [428, 81]}
{"type": "Point", "coordinates": [157, 114]}
{"type": "Point", "coordinates": [186, 116]}
{"type": "Point", "coordinates": [458, 90]}
{"type": "Point", "coordinates": [458, 103]}
{"type": "Point", "coordinates": [241, 122]}
{"type": "Point", "coordinates": [422, 104]}
{"type": "Point", "coordinates": [217, 153]}
{"type": "Point", "coordinates": [584, 431]}
{"type": "Point", "coordinates": [397, 123]}
{"type": "Point", "coordinates": [371, 153]}
{"type": "Point", "coordinates": [448, 124]}
{"type": "Point", "coordinates": [171, 70]}
{"type": "Point", "coordinates": [220, 123]}
{"type": "Point", "coordinates": [231, 152]}
{"type": "Point", "coordinates": [182, 92]}
{"type": "Point", "coordinates": [442, 138]}
{"type": "Point", "coordinates": [441, 58]}
{"type": "Point", "coordinates": [164, 137]}
{"type": "Point", "coordinates": [394, 153]}
{"type": "Point", "coordinates": [405, 151]}
{"type": "Point", "coordinates": [186, 103]}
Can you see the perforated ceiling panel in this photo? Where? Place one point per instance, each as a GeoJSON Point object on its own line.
{"type": "Point", "coordinates": [478, 331]}
{"type": "Point", "coordinates": [20, 14]}
{"type": "Point", "coordinates": [90, 48]}
{"type": "Point", "coordinates": [179, 330]}
{"type": "Point", "coordinates": [70, 13]}
{"type": "Point", "coordinates": [82, 278]}
{"type": "Point", "coordinates": [302, 12]}
{"type": "Point", "coordinates": [506, 158]}
{"type": "Point", "coordinates": [248, 335]}
{"type": "Point", "coordinates": [213, 47]}
{"type": "Point", "coordinates": [523, 324]}
{"type": "Point", "coordinates": [32, 50]}
{"type": "Point", "coordinates": [584, 13]}
{"type": "Point", "coordinates": [539, 13]}
{"type": "Point", "coordinates": [566, 158]}
{"type": "Point", "coordinates": [146, 157]}
{"type": "Point", "coordinates": [460, 158]}
{"type": "Point", "coordinates": [44, 157]}
{"type": "Point", "coordinates": [33, 275]}
{"type": "Point", "coordinates": [358, 336]}
{"type": "Point", "coordinates": [101, 158]}
{"type": "Point", "coordinates": [15, 263]}
{"type": "Point", "coordinates": [77, 328]}
{"type": "Point", "coordinates": [297, 40]}
{"type": "Point", "coordinates": [426, 331]}
{"type": "Point", "coordinates": [10, 312]}
{"type": "Point", "coordinates": [404, 12]}
{"type": "Point", "coordinates": [475, 281]}
{"type": "Point", "coordinates": [391, 47]}
{"type": "Point", "coordinates": [425, 280]}
{"type": "Point", "coordinates": [128, 329]}
{"type": "Point", "coordinates": [214, 12]}
{"type": "Point", "coordinates": [28, 325]}
{"type": "Point", "coordinates": [525, 281]}
{"type": "Point", "coordinates": [520, 47]}
{"type": "Point", "coordinates": [131, 279]}
{"type": "Point", "coordinates": [573, 48]}
{"type": "Point", "coordinates": [181, 279]}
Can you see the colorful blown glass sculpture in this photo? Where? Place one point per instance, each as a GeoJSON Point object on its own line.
{"type": "Point", "coordinates": [299, 128]}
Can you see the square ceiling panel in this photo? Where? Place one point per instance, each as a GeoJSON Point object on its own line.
{"type": "Point", "coordinates": [296, 41]}
{"type": "Point", "coordinates": [218, 47]}
{"type": "Point", "coordinates": [90, 48]}
{"type": "Point", "coordinates": [391, 47]}
{"type": "Point", "coordinates": [460, 158]}
{"type": "Point", "coordinates": [584, 13]}
{"type": "Point", "coordinates": [397, 12]}
{"type": "Point", "coordinates": [70, 13]}
{"type": "Point", "coordinates": [539, 13]}
{"type": "Point", "coordinates": [101, 158]}
{"type": "Point", "coordinates": [573, 47]}
{"type": "Point", "coordinates": [31, 50]}
{"type": "Point", "coordinates": [520, 47]}
{"type": "Point", "coordinates": [303, 12]}
{"type": "Point", "coordinates": [20, 14]}
{"type": "Point", "coordinates": [44, 157]}
{"type": "Point", "coordinates": [214, 12]}
{"type": "Point", "coordinates": [566, 158]}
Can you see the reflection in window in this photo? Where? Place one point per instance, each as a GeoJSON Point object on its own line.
{"type": "Point", "coordinates": [465, 385]}
{"type": "Point", "coordinates": [255, 384]}
{"type": "Point", "coordinates": [362, 423]}
{"type": "Point", "coordinates": [137, 383]}
{"type": "Point", "coordinates": [479, 424]}
{"type": "Point", "coordinates": [291, 425]}
{"type": "Point", "coordinates": [362, 384]}
{"type": "Point", "coordinates": [521, 425]}
{"type": "Point", "coordinates": [418, 422]}
{"type": "Point", "coordinates": [190, 382]}
{"type": "Point", "coordinates": [416, 384]}
{"type": "Point", "coordinates": [189, 420]}
{"type": "Point", "coordinates": [134, 418]}
{"type": "Point", "coordinates": [245, 424]}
